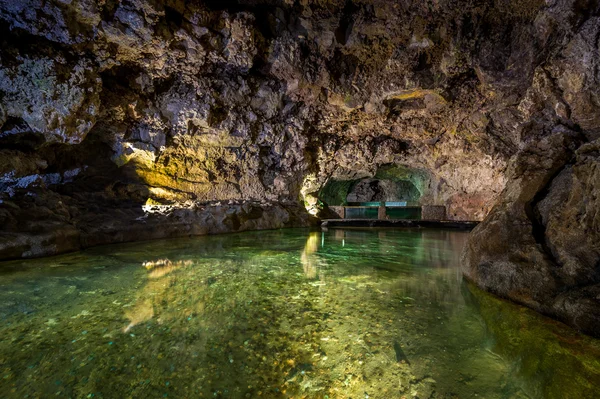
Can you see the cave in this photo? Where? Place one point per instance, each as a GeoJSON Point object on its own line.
{"type": "Point", "coordinates": [317, 199]}
{"type": "Point", "coordinates": [399, 189]}
{"type": "Point", "coordinates": [390, 183]}
{"type": "Point", "coordinates": [374, 190]}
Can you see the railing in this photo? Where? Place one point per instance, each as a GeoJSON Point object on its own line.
{"type": "Point", "coordinates": [384, 203]}
{"type": "Point", "coordinates": [388, 211]}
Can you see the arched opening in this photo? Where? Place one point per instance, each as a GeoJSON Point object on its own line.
{"type": "Point", "coordinates": [391, 183]}
{"type": "Point", "coordinates": [393, 192]}
{"type": "Point", "coordinates": [382, 190]}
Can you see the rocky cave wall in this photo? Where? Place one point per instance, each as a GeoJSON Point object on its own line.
{"type": "Point", "coordinates": [251, 100]}
{"type": "Point", "coordinates": [233, 113]}
{"type": "Point", "coordinates": [109, 105]}
{"type": "Point", "coordinates": [374, 190]}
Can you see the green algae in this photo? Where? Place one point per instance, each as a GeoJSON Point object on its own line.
{"type": "Point", "coordinates": [278, 314]}
{"type": "Point", "coordinates": [334, 192]}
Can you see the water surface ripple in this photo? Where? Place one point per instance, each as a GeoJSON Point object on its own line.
{"type": "Point", "coordinates": [278, 314]}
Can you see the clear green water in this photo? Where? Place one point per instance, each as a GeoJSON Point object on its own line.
{"type": "Point", "coordinates": [278, 314]}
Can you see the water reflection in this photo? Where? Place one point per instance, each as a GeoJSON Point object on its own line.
{"type": "Point", "coordinates": [309, 262]}
{"type": "Point", "coordinates": [162, 267]}
{"type": "Point", "coordinates": [409, 248]}
{"type": "Point", "coordinates": [553, 360]}
{"type": "Point", "coordinates": [155, 290]}
{"type": "Point", "coordinates": [278, 314]}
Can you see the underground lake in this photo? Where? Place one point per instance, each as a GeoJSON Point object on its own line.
{"type": "Point", "coordinates": [303, 199]}
{"type": "Point", "coordinates": [290, 313]}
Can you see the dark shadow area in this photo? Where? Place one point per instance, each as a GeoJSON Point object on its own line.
{"type": "Point", "coordinates": [343, 31]}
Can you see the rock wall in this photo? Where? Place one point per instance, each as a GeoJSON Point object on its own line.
{"type": "Point", "coordinates": [74, 229]}
{"type": "Point", "coordinates": [116, 104]}
{"type": "Point", "coordinates": [540, 245]}
{"type": "Point", "coordinates": [108, 107]}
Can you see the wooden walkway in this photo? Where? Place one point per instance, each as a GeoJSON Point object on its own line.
{"type": "Point", "coordinates": [440, 224]}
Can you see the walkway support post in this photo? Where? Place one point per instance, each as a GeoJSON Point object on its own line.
{"type": "Point", "coordinates": [381, 214]}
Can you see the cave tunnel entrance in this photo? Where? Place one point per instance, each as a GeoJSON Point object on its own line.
{"type": "Point", "coordinates": [391, 183]}
{"type": "Point", "coordinates": [382, 190]}
{"type": "Point", "coordinates": [394, 192]}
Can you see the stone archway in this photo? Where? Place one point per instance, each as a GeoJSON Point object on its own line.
{"type": "Point", "coordinates": [383, 190]}
{"type": "Point", "coordinates": [389, 183]}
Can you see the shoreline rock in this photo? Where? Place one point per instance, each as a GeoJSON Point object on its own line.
{"type": "Point", "coordinates": [540, 245]}
{"type": "Point", "coordinates": [147, 223]}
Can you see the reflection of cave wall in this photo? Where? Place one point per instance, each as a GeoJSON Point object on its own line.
{"type": "Point", "coordinates": [383, 190]}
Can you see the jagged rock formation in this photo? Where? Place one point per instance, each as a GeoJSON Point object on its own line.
{"type": "Point", "coordinates": [540, 245]}
{"type": "Point", "coordinates": [107, 106]}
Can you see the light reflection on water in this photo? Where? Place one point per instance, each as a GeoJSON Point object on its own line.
{"type": "Point", "coordinates": [290, 313]}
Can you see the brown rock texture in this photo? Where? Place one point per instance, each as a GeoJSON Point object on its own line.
{"type": "Point", "coordinates": [540, 244]}
{"type": "Point", "coordinates": [108, 107]}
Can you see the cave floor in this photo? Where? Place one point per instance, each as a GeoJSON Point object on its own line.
{"type": "Point", "coordinates": [279, 314]}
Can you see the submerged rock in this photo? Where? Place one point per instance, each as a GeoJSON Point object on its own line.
{"type": "Point", "coordinates": [534, 342]}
